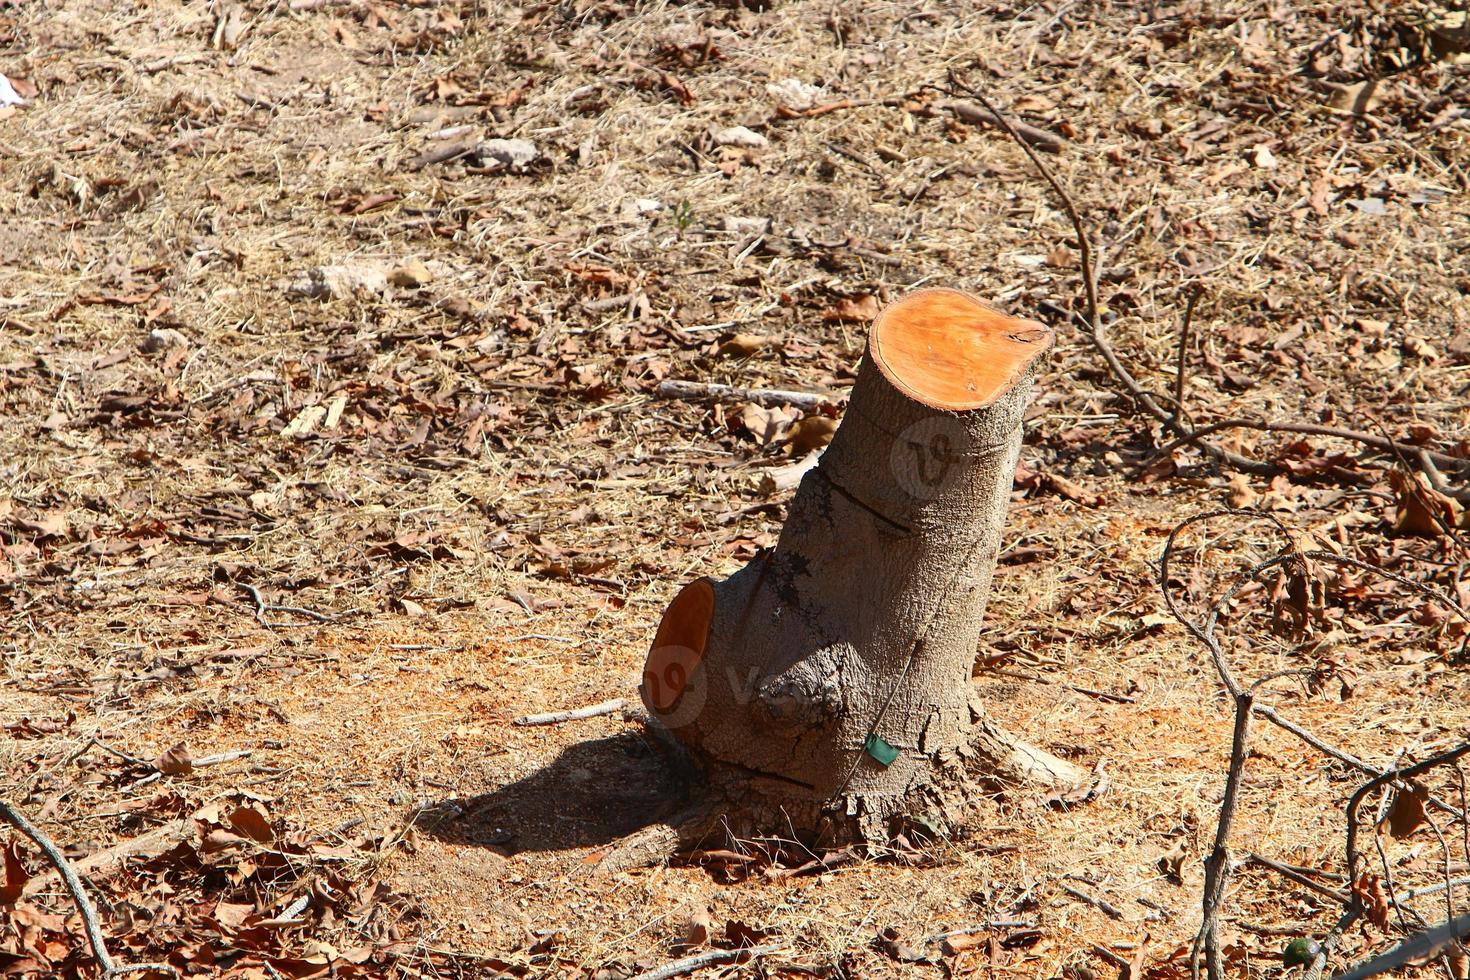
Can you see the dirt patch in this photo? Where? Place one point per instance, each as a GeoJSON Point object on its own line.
{"type": "Point", "coordinates": [276, 315]}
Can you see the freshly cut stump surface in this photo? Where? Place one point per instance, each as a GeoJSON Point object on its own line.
{"type": "Point", "coordinates": [825, 687]}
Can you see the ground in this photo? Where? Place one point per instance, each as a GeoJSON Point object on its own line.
{"type": "Point", "coordinates": [462, 482]}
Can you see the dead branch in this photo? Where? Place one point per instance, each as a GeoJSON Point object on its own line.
{"type": "Point", "coordinates": [1392, 777]}
{"type": "Point", "coordinates": [262, 607]}
{"type": "Point", "coordinates": [714, 957]}
{"type": "Point", "coordinates": [1174, 421]}
{"type": "Point", "coordinates": [575, 714]}
{"type": "Point", "coordinates": [1291, 874]}
{"type": "Point", "coordinates": [1182, 361]}
{"type": "Point", "coordinates": [709, 391]}
{"type": "Point", "coordinates": [1105, 907]}
{"type": "Point", "coordinates": [1217, 866]}
{"type": "Point", "coordinates": [1416, 948]}
{"type": "Point", "coordinates": [990, 925]}
{"type": "Point", "coordinates": [1033, 135]}
{"type": "Point", "coordinates": [110, 967]}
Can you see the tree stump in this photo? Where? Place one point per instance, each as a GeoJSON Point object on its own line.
{"type": "Point", "coordinates": [825, 687]}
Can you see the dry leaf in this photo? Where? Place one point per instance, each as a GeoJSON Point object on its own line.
{"type": "Point", "coordinates": [1171, 863]}
{"type": "Point", "coordinates": [1406, 814]}
{"type": "Point", "coordinates": [252, 822]}
{"type": "Point", "coordinates": [854, 309]}
{"type": "Point", "coordinates": [175, 761]}
{"type": "Point", "coordinates": [811, 433]}
{"type": "Point", "coordinates": [1421, 509]}
{"type": "Point", "coordinates": [1369, 890]}
{"type": "Point", "coordinates": [697, 929]}
{"type": "Point", "coordinates": [15, 874]}
{"type": "Point", "coordinates": [766, 424]}
{"type": "Point", "coordinates": [744, 345]}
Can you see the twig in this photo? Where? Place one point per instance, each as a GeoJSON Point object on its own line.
{"type": "Point", "coordinates": [1124, 377]}
{"type": "Point", "coordinates": [1106, 908]}
{"type": "Point", "coordinates": [1310, 429]}
{"type": "Point", "coordinates": [262, 607]}
{"type": "Point", "coordinates": [1340, 897]}
{"type": "Point", "coordinates": [110, 967]}
{"type": "Point", "coordinates": [989, 925]}
{"type": "Point", "coordinates": [575, 714]}
{"type": "Point", "coordinates": [1334, 936]}
{"type": "Point", "coordinates": [1217, 865]}
{"type": "Point", "coordinates": [715, 957]}
{"type": "Point", "coordinates": [1418, 947]}
{"type": "Point", "coordinates": [1390, 777]}
{"type": "Point", "coordinates": [1033, 135]}
{"type": "Point", "coordinates": [710, 391]}
{"type": "Point", "coordinates": [1183, 357]}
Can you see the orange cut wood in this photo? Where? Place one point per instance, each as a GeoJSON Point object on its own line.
{"type": "Point", "coordinates": [948, 350]}
{"type": "Point", "coordinates": [678, 647]}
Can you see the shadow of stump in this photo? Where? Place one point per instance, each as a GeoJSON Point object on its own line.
{"type": "Point", "coordinates": [593, 793]}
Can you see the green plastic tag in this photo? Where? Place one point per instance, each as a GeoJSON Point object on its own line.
{"type": "Point", "coordinates": [880, 750]}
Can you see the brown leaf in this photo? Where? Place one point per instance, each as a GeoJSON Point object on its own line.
{"type": "Point", "coordinates": [232, 915]}
{"type": "Point", "coordinates": [1171, 863]}
{"type": "Point", "coordinates": [741, 935]}
{"type": "Point", "coordinates": [1406, 814]}
{"type": "Point", "coordinates": [175, 761]}
{"type": "Point", "coordinates": [891, 942]}
{"type": "Point", "coordinates": [744, 345]}
{"type": "Point", "coordinates": [1298, 595]}
{"type": "Point", "coordinates": [766, 424]}
{"type": "Point", "coordinates": [854, 309]}
{"type": "Point", "coordinates": [811, 433]}
{"type": "Point", "coordinates": [15, 875]}
{"type": "Point", "coordinates": [697, 929]}
{"type": "Point", "coordinates": [51, 525]}
{"type": "Point", "coordinates": [252, 822]}
{"type": "Point", "coordinates": [1421, 509]}
{"type": "Point", "coordinates": [1369, 890]}
{"type": "Point", "coordinates": [1072, 491]}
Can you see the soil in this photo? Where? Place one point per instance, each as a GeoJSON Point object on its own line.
{"type": "Point", "coordinates": [356, 521]}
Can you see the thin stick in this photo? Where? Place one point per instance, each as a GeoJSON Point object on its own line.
{"type": "Point", "coordinates": [709, 391]}
{"type": "Point", "coordinates": [1339, 897]}
{"type": "Point", "coordinates": [262, 607]}
{"type": "Point", "coordinates": [1035, 136]}
{"type": "Point", "coordinates": [110, 967]}
{"type": "Point", "coordinates": [1106, 908]}
{"type": "Point", "coordinates": [987, 926]}
{"type": "Point", "coordinates": [1135, 390]}
{"type": "Point", "coordinates": [1217, 865]}
{"type": "Point", "coordinates": [1311, 429]}
{"type": "Point", "coordinates": [1183, 358]}
{"type": "Point", "coordinates": [1392, 776]}
{"type": "Point", "coordinates": [575, 714]}
{"type": "Point", "coordinates": [715, 957]}
{"type": "Point", "coordinates": [1418, 947]}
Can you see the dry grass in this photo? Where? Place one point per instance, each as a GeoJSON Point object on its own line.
{"type": "Point", "coordinates": [503, 508]}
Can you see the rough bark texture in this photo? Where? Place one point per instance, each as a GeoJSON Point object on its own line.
{"type": "Point", "coordinates": [864, 619]}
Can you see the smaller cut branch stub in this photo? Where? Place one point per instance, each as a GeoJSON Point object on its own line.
{"type": "Point", "coordinates": [825, 687]}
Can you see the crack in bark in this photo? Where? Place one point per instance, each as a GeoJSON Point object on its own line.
{"type": "Point", "coordinates": [852, 499]}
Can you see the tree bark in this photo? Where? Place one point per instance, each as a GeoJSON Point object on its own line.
{"type": "Point", "coordinates": [825, 687]}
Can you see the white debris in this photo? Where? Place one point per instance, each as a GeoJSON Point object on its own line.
{"type": "Point", "coordinates": [411, 275]}
{"type": "Point", "coordinates": [648, 205]}
{"type": "Point", "coordinates": [745, 226]}
{"type": "Point", "coordinates": [793, 93]}
{"type": "Point", "coordinates": [161, 337]}
{"type": "Point", "coordinates": [8, 94]}
{"type": "Point", "coordinates": [740, 136]}
{"type": "Point", "coordinates": [305, 422]}
{"type": "Point", "coordinates": [339, 282]}
{"type": "Point", "coordinates": [514, 154]}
